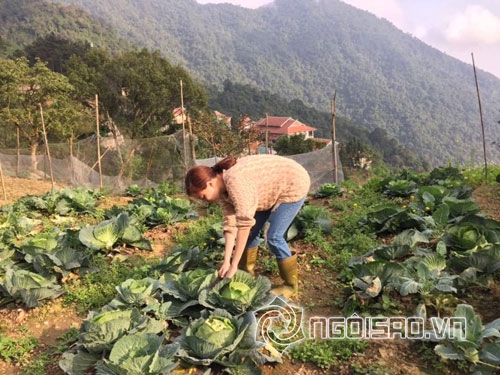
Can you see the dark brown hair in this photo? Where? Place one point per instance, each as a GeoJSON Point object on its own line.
{"type": "Point", "coordinates": [198, 176]}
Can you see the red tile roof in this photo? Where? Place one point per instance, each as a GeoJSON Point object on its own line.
{"type": "Point", "coordinates": [282, 126]}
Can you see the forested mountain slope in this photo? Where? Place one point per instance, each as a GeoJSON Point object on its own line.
{"type": "Point", "coordinates": [22, 21]}
{"type": "Point", "coordinates": [310, 49]}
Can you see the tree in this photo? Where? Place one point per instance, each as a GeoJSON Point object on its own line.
{"type": "Point", "coordinates": [25, 90]}
{"type": "Point", "coordinates": [137, 90]}
{"type": "Point", "coordinates": [295, 144]}
{"type": "Point", "coordinates": [55, 51]}
{"type": "Point", "coordinates": [215, 138]}
{"type": "Point", "coordinates": [246, 134]}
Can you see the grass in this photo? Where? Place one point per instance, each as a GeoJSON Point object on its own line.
{"type": "Point", "coordinates": [347, 239]}
{"type": "Point", "coordinates": [197, 233]}
{"type": "Point", "coordinates": [327, 353]}
{"type": "Point", "coordinates": [17, 350]}
{"type": "Point", "coordinates": [96, 289]}
{"type": "Point", "coordinates": [477, 176]}
{"type": "Point", "coordinates": [38, 364]}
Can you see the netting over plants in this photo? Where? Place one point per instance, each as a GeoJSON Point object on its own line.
{"type": "Point", "coordinates": [318, 163]}
{"type": "Point", "coordinates": [145, 162]}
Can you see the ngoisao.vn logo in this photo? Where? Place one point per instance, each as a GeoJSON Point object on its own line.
{"type": "Point", "coordinates": [281, 325]}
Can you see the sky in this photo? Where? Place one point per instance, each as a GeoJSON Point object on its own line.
{"type": "Point", "coordinates": [459, 28]}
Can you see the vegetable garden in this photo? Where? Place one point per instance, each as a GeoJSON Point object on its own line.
{"type": "Point", "coordinates": [140, 273]}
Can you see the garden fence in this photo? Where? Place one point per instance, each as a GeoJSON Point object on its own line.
{"type": "Point", "coordinates": [145, 162]}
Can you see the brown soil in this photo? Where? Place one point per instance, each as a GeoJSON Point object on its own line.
{"type": "Point", "coordinates": [13, 188]}
{"type": "Point", "coordinates": [317, 297]}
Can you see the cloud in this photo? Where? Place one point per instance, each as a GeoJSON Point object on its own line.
{"type": "Point", "coordinates": [474, 25]}
{"type": "Point", "coordinates": [421, 31]}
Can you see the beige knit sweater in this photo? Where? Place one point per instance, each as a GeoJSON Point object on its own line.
{"type": "Point", "coordinates": [259, 183]}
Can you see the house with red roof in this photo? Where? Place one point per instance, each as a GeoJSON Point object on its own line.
{"type": "Point", "coordinates": [223, 118]}
{"type": "Point", "coordinates": [276, 127]}
{"type": "Point", "coordinates": [179, 115]}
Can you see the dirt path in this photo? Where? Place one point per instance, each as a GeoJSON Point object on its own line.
{"type": "Point", "coordinates": [19, 187]}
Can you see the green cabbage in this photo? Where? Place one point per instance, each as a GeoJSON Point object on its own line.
{"type": "Point", "coordinates": [239, 294]}
{"type": "Point", "coordinates": [217, 330]}
{"type": "Point", "coordinates": [215, 336]}
{"type": "Point", "coordinates": [237, 290]}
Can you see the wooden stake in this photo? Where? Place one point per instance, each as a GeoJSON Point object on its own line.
{"type": "Point", "coordinates": [47, 147]}
{"type": "Point", "coordinates": [482, 124]}
{"type": "Point", "coordinates": [18, 150]}
{"type": "Point", "coordinates": [184, 148]}
{"type": "Point", "coordinates": [98, 140]}
{"type": "Point", "coordinates": [191, 143]}
{"type": "Point", "coordinates": [97, 162]}
{"type": "Point", "coordinates": [3, 184]}
{"type": "Point", "coordinates": [122, 170]}
{"type": "Point", "coordinates": [334, 140]}
{"type": "Point", "coordinates": [267, 134]}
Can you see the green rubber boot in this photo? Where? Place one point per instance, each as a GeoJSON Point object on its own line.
{"type": "Point", "coordinates": [288, 269]}
{"type": "Point", "coordinates": [248, 260]}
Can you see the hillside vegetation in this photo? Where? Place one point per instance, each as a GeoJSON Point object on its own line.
{"type": "Point", "coordinates": [24, 21]}
{"type": "Point", "coordinates": [299, 50]}
{"type": "Point", "coordinates": [308, 50]}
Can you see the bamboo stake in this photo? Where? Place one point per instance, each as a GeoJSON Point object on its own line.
{"type": "Point", "coordinates": [184, 150]}
{"type": "Point", "coordinates": [150, 162]}
{"type": "Point", "coordinates": [47, 147]}
{"type": "Point", "coordinates": [482, 123]}
{"type": "Point", "coordinates": [267, 134]}
{"type": "Point", "coordinates": [191, 143]}
{"type": "Point", "coordinates": [98, 140]}
{"type": "Point", "coordinates": [18, 150]}
{"type": "Point", "coordinates": [71, 164]}
{"type": "Point", "coordinates": [97, 162]}
{"type": "Point", "coordinates": [334, 140]}
{"type": "Point", "coordinates": [122, 170]}
{"type": "Point", "coordinates": [3, 184]}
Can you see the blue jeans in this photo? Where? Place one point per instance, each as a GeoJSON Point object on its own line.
{"type": "Point", "coordinates": [279, 222]}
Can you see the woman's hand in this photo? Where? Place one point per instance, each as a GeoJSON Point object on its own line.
{"type": "Point", "coordinates": [227, 270]}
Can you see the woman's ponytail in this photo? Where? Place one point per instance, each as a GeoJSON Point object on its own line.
{"type": "Point", "coordinates": [224, 164]}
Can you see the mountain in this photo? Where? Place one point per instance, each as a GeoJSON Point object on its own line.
{"type": "Point", "coordinates": [22, 21]}
{"type": "Point", "coordinates": [312, 49]}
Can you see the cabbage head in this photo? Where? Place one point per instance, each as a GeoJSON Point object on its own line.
{"type": "Point", "coordinates": [312, 217]}
{"type": "Point", "coordinates": [217, 330]}
{"type": "Point", "coordinates": [135, 292]}
{"type": "Point", "coordinates": [108, 233]}
{"type": "Point", "coordinates": [105, 234]}
{"type": "Point", "coordinates": [139, 354]}
{"type": "Point", "coordinates": [101, 330]}
{"type": "Point", "coordinates": [188, 284]}
{"type": "Point", "coordinates": [239, 294]}
{"type": "Point", "coordinates": [214, 335]}
{"type": "Point", "coordinates": [328, 190]}
{"type": "Point", "coordinates": [238, 290]}
{"type": "Point", "coordinates": [466, 237]}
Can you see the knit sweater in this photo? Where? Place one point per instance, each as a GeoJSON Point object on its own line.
{"type": "Point", "coordinates": [259, 183]}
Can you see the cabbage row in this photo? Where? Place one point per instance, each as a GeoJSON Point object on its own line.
{"type": "Point", "coordinates": [441, 245]}
{"type": "Point", "coordinates": [184, 317]}
{"type": "Point", "coordinates": [42, 241]}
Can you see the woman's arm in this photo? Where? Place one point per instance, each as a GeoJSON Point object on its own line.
{"type": "Point", "coordinates": [228, 252]}
{"type": "Point", "coordinates": [232, 257]}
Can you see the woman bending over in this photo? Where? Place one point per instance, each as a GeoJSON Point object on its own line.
{"type": "Point", "coordinates": [253, 190]}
